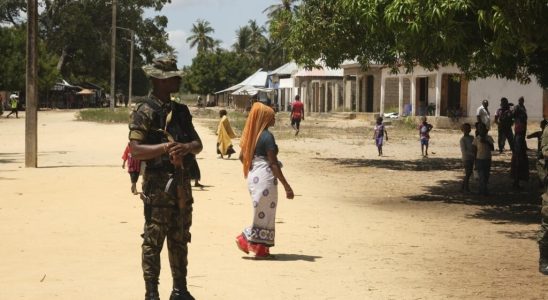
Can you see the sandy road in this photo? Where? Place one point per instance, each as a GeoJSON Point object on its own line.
{"type": "Point", "coordinates": [359, 228]}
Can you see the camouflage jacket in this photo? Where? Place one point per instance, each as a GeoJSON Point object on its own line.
{"type": "Point", "coordinates": [151, 119]}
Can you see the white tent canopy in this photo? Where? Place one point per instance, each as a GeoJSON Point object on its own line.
{"type": "Point", "coordinates": [257, 79]}
{"type": "Point", "coordinates": [251, 90]}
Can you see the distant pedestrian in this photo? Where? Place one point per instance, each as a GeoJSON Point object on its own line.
{"type": "Point", "coordinates": [483, 115]}
{"type": "Point", "coordinates": [224, 135]}
{"type": "Point", "coordinates": [468, 155]}
{"type": "Point", "coordinates": [379, 134]}
{"type": "Point", "coordinates": [483, 145]}
{"type": "Point", "coordinates": [504, 118]}
{"type": "Point", "coordinates": [14, 102]}
{"type": "Point", "coordinates": [424, 135]}
{"type": "Point", "coordinates": [133, 168]}
{"type": "Point", "coordinates": [297, 114]}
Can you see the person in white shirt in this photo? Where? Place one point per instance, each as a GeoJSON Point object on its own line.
{"type": "Point", "coordinates": [483, 115]}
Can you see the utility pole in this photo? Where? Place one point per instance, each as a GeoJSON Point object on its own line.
{"type": "Point", "coordinates": [31, 110]}
{"type": "Point", "coordinates": [131, 69]}
{"type": "Point", "coordinates": [113, 58]}
{"type": "Point", "coordinates": [132, 41]}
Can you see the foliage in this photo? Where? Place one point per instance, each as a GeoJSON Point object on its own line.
{"type": "Point", "coordinates": [75, 39]}
{"type": "Point", "coordinates": [484, 38]}
{"type": "Point", "coordinates": [14, 59]}
{"type": "Point", "coordinates": [104, 115]}
{"type": "Point", "coordinates": [201, 38]}
{"type": "Point", "coordinates": [214, 71]}
{"type": "Point", "coordinates": [13, 48]}
{"type": "Point", "coordinates": [10, 11]}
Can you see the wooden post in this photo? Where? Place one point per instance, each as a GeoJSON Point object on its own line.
{"type": "Point", "coordinates": [113, 58]}
{"type": "Point", "coordinates": [31, 111]}
{"type": "Point", "coordinates": [131, 69]}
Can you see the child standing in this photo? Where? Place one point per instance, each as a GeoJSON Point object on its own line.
{"type": "Point", "coordinates": [483, 145]}
{"type": "Point", "coordinates": [380, 133]}
{"type": "Point", "coordinates": [133, 168]}
{"type": "Point", "coordinates": [468, 155]}
{"type": "Point", "coordinates": [424, 134]}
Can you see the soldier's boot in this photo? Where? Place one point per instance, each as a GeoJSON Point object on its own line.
{"type": "Point", "coordinates": [151, 292]}
{"type": "Point", "coordinates": [180, 291]}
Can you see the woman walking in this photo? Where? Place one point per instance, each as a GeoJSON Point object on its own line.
{"type": "Point", "coordinates": [263, 171]}
{"type": "Point", "coordinates": [224, 136]}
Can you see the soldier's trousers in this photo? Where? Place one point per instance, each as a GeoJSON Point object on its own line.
{"type": "Point", "coordinates": [504, 135]}
{"type": "Point", "coordinates": [543, 232]}
{"type": "Point", "coordinates": [171, 224]}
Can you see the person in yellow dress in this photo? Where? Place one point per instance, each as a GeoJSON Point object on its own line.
{"type": "Point", "coordinates": [224, 136]}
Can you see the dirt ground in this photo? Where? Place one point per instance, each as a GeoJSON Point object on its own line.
{"type": "Point", "coordinates": [360, 227]}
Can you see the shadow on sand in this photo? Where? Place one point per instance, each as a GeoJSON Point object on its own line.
{"type": "Point", "coordinates": [503, 205]}
{"type": "Point", "coordinates": [286, 257]}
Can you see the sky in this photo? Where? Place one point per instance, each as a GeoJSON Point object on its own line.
{"type": "Point", "coordinates": [225, 17]}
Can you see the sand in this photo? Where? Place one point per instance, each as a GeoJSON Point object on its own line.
{"type": "Point", "coordinates": [360, 226]}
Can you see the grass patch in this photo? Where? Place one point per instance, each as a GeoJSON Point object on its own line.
{"type": "Point", "coordinates": [405, 123]}
{"type": "Point", "coordinates": [104, 115]}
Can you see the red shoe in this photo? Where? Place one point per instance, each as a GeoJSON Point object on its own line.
{"type": "Point", "coordinates": [242, 244]}
{"type": "Point", "coordinates": [260, 250]}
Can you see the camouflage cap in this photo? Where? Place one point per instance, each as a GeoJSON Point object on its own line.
{"type": "Point", "coordinates": [163, 67]}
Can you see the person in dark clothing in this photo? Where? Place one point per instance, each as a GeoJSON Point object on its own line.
{"type": "Point", "coordinates": [504, 118]}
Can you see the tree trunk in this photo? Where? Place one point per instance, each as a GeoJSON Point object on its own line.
{"type": "Point", "coordinates": [61, 62]}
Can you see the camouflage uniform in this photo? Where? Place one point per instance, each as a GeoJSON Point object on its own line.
{"type": "Point", "coordinates": [543, 233]}
{"type": "Point", "coordinates": [163, 218]}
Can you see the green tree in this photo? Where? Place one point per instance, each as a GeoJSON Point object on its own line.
{"type": "Point", "coordinates": [484, 38]}
{"type": "Point", "coordinates": [256, 36]}
{"type": "Point", "coordinates": [10, 11]}
{"type": "Point", "coordinates": [243, 41]}
{"type": "Point", "coordinates": [13, 47]}
{"type": "Point", "coordinates": [274, 10]}
{"type": "Point", "coordinates": [76, 35]}
{"type": "Point", "coordinates": [201, 38]}
{"type": "Point", "coordinates": [214, 71]}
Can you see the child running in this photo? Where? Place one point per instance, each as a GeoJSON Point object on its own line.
{"type": "Point", "coordinates": [483, 145]}
{"type": "Point", "coordinates": [380, 133]}
{"type": "Point", "coordinates": [468, 155]}
{"type": "Point", "coordinates": [424, 134]}
{"type": "Point", "coordinates": [133, 168]}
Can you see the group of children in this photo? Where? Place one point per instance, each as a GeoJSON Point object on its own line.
{"type": "Point", "coordinates": [475, 150]}
{"type": "Point", "coordinates": [380, 135]}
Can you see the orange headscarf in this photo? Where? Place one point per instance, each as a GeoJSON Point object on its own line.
{"type": "Point", "coordinates": [259, 118]}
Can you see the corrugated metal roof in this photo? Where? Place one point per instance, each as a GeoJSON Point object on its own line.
{"type": "Point", "coordinates": [286, 69]}
{"type": "Point", "coordinates": [257, 79]}
{"type": "Point", "coordinates": [322, 71]}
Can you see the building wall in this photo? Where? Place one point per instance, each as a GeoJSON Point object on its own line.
{"type": "Point", "coordinates": [493, 89]}
{"type": "Point", "coordinates": [391, 95]}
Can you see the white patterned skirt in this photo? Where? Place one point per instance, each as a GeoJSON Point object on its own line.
{"type": "Point", "coordinates": [263, 187]}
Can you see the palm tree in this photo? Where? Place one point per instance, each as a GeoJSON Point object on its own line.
{"type": "Point", "coordinates": [271, 55]}
{"type": "Point", "coordinates": [200, 36]}
{"type": "Point", "coordinates": [243, 40]}
{"type": "Point", "coordinates": [256, 36]}
{"type": "Point", "coordinates": [275, 9]}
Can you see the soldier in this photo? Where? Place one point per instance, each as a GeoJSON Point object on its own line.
{"type": "Point", "coordinates": [543, 233]}
{"type": "Point", "coordinates": [161, 133]}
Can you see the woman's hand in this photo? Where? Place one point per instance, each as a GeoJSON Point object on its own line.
{"type": "Point", "coordinates": [289, 193]}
